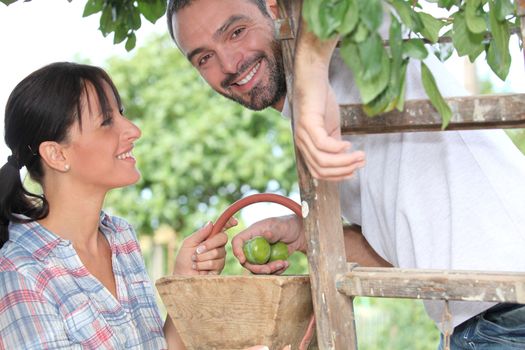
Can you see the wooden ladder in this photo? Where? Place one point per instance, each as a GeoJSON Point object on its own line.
{"type": "Point", "coordinates": [334, 281]}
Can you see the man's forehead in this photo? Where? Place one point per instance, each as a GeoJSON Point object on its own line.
{"type": "Point", "coordinates": [206, 17]}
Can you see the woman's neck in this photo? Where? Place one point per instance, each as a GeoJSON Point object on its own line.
{"type": "Point", "coordinates": [74, 216]}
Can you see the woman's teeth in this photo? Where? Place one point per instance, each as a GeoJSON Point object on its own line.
{"type": "Point", "coordinates": [125, 155]}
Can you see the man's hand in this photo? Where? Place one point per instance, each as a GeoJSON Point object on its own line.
{"type": "Point", "coordinates": [200, 254]}
{"type": "Point", "coordinates": [316, 112]}
{"type": "Point", "coordinates": [287, 229]}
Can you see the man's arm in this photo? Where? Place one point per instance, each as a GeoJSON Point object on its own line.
{"type": "Point", "coordinates": [316, 112]}
{"type": "Point", "coordinates": [359, 250]}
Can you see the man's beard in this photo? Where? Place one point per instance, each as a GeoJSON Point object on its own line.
{"type": "Point", "coordinates": [261, 97]}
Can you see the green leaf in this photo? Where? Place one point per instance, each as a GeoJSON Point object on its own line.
{"type": "Point", "coordinates": [106, 20]}
{"type": "Point", "coordinates": [152, 10]}
{"type": "Point", "coordinates": [371, 52]}
{"type": "Point", "coordinates": [498, 56]}
{"type": "Point", "coordinates": [400, 105]}
{"type": "Point", "coordinates": [325, 17]}
{"type": "Point", "coordinates": [350, 53]}
{"type": "Point", "coordinates": [430, 26]}
{"type": "Point", "coordinates": [474, 54]}
{"type": "Point", "coordinates": [395, 40]}
{"type": "Point", "coordinates": [379, 104]}
{"type": "Point", "coordinates": [371, 13]}
{"type": "Point", "coordinates": [360, 34]}
{"type": "Point", "coordinates": [93, 6]}
{"type": "Point", "coordinates": [429, 83]}
{"type": "Point", "coordinates": [392, 97]}
{"type": "Point", "coordinates": [464, 40]}
{"type": "Point", "coordinates": [415, 48]}
{"type": "Point", "coordinates": [7, 2]}
{"type": "Point", "coordinates": [447, 4]}
{"type": "Point", "coordinates": [398, 65]}
{"type": "Point", "coordinates": [311, 16]}
{"type": "Point", "coordinates": [130, 43]}
{"type": "Point", "coordinates": [330, 18]}
{"type": "Point", "coordinates": [407, 15]}
{"type": "Point", "coordinates": [369, 89]}
{"type": "Point", "coordinates": [134, 20]}
{"type": "Point", "coordinates": [121, 33]}
{"type": "Point", "coordinates": [503, 9]}
{"type": "Point", "coordinates": [350, 19]}
{"type": "Point", "coordinates": [475, 16]}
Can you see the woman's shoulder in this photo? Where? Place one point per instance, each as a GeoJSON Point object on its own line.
{"type": "Point", "coordinates": [18, 267]}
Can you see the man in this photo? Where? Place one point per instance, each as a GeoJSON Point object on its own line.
{"type": "Point", "coordinates": [443, 200]}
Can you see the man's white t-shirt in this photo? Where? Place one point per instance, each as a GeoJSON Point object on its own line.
{"type": "Point", "coordinates": [437, 200]}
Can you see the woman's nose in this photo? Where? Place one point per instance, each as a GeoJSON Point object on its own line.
{"type": "Point", "coordinates": [130, 130]}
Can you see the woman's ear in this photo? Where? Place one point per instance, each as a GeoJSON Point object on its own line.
{"type": "Point", "coordinates": [53, 155]}
{"type": "Point", "coordinates": [273, 8]}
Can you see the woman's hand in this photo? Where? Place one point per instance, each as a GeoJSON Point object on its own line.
{"type": "Point", "coordinates": [201, 254]}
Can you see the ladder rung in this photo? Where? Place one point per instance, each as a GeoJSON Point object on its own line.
{"type": "Point", "coordinates": [434, 284]}
{"type": "Point", "coordinates": [471, 112]}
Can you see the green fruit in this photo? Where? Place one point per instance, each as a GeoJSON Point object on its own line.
{"type": "Point", "coordinates": [257, 250]}
{"type": "Point", "coordinates": [279, 251]}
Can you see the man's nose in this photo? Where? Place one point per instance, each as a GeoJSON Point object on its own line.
{"type": "Point", "coordinates": [230, 60]}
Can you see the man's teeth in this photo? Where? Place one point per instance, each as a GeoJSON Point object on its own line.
{"type": "Point", "coordinates": [250, 75]}
{"type": "Point", "coordinates": [124, 155]}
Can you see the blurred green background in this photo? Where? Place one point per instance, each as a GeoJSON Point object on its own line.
{"type": "Point", "coordinates": [199, 153]}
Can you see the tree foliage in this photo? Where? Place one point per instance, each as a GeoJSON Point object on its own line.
{"type": "Point", "coordinates": [198, 152]}
{"type": "Point", "coordinates": [470, 28]}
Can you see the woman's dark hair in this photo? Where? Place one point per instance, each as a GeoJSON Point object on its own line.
{"type": "Point", "coordinates": [42, 107]}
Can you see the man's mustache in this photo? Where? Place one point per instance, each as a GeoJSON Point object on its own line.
{"type": "Point", "coordinates": [230, 78]}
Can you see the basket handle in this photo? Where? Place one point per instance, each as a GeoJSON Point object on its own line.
{"type": "Point", "coordinates": [254, 198]}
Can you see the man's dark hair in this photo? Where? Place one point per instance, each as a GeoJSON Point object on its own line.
{"type": "Point", "coordinates": [176, 5]}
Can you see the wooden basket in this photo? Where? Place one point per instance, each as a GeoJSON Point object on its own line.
{"type": "Point", "coordinates": [235, 312]}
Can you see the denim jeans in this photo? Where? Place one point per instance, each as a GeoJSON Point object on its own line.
{"type": "Point", "coordinates": [502, 327]}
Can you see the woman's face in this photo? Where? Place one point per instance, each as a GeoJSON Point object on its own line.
{"type": "Point", "coordinates": [100, 151]}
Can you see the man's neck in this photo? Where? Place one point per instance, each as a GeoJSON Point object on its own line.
{"type": "Point", "coordinates": [279, 105]}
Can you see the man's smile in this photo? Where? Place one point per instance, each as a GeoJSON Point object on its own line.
{"type": "Point", "coordinates": [250, 75]}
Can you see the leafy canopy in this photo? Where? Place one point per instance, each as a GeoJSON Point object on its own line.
{"type": "Point", "coordinates": [470, 28]}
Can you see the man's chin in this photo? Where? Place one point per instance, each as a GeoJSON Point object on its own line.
{"type": "Point", "coordinates": [256, 104]}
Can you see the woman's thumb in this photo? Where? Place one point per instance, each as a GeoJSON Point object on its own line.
{"type": "Point", "coordinates": [200, 235]}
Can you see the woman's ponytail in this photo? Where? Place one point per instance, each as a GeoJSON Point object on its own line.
{"type": "Point", "coordinates": [16, 203]}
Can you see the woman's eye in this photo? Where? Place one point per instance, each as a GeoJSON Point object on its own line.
{"type": "Point", "coordinates": [107, 121]}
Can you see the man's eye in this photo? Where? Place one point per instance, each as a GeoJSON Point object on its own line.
{"type": "Point", "coordinates": [204, 59]}
{"type": "Point", "coordinates": [237, 32]}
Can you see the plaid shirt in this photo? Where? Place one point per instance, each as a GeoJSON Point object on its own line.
{"type": "Point", "coordinates": [49, 300]}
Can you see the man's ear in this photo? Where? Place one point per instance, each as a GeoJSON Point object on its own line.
{"type": "Point", "coordinates": [273, 8]}
{"type": "Point", "coordinates": [53, 155]}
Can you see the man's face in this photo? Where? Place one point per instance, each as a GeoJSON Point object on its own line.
{"type": "Point", "coordinates": [232, 45]}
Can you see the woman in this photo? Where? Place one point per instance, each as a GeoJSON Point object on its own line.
{"type": "Point", "coordinates": [72, 276]}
